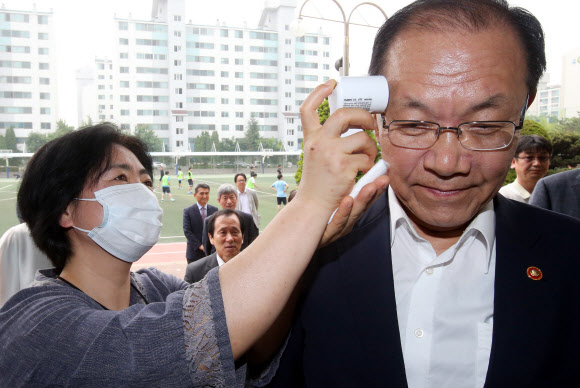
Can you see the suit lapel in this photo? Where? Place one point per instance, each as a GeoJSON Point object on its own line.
{"type": "Point", "coordinates": [367, 276]}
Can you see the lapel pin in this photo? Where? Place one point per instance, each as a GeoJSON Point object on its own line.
{"type": "Point", "coordinates": [534, 273]}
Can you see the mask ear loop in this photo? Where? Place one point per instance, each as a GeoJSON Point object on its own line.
{"type": "Point", "coordinates": [89, 200]}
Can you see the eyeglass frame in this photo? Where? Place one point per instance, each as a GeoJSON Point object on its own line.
{"type": "Point", "coordinates": [440, 128]}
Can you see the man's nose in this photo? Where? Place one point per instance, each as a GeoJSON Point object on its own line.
{"type": "Point", "coordinates": [447, 156]}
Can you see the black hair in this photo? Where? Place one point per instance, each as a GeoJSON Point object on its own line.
{"type": "Point", "coordinates": [201, 186]}
{"type": "Point", "coordinates": [167, 172]}
{"type": "Point", "coordinates": [280, 176]}
{"type": "Point", "coordinates": [469, 15]}
{"type": "Point", "coordinates": [254, 174]}
{"type": "Point", "coordinates": [225, 213]}
{"type": "Point", "coordinates": [56, 175]}
{"type": "Point", "coordinates": [533, 143]}
{"type": "Point", "coordinates": [240, 174]}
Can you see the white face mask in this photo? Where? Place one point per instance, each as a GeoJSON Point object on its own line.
{"type": "Point", "coordinates": [131, 221]}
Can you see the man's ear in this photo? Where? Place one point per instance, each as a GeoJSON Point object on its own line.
{"type": "Point", "coordinates": [531, 98]}
{"type": "Point", "coordinates": [379, 120]}
{"type": "Point", "coordinates": [66, 220]}
{"type": "Point", "coordinates": [514, 160]}
{"type": "Point", "coordinates": [210, 239]}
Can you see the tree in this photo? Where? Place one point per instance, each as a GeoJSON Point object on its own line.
{"type": "Point", "coordinates": [569, 125]}
{"type": "Point", "coordinates": [2, 143]}
{"type": "Point", "coordinates": [203, 142]}
{"type": "Point", "coordinates": [34, 141]}
{"type": "Point", "coordinates": [215, 139]}
{"type": "Point", "coordinates": [251, 140]}
{"type": "Point", "coordinates": [228, 145]}
{"type": "Point", "coordinates": [534, 128]}
{"type": "Point", "coordinates": [566, 149]}
{"type": "Point", "coordinates": [148, 136]}
{"type": "Point", "coordinates": [10, 140]}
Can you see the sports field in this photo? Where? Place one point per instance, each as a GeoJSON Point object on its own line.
{"type": "Point", "coordinates": [172, 211]}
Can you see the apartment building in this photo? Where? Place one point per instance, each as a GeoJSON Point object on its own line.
{"type": "Point", "coordinates": [571, 83]}
{"type": "Point", "coordinates": [28, 90]}
{"type": "Point", "coordinates": [180, 78]}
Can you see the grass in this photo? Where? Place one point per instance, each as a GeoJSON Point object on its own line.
{"type": "Point", "coordinates": [172, 230]}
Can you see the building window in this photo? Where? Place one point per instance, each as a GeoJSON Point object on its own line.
{"type": "Point", "coordinates": [179, 105]}
{"type": "Point", "coordinates": [239, 34]}
{"type": "Point", "coordinates": [178, 77]}
{"type": "Point", "coordinates": [42, 51]}
{"type": "Point", "coordinates": [239, 74]}
{"type": "Point", "coordinates": [179, 131]}
{"type": "Point", "coordinates": [287, 68]}
{"type": "Point", "coordinates": [224, 33]}
{"type": "Point", "coordinates": [44, 81]}
{"type": "Point", "coordinates": [177, 62]}
{"type": "Point", "coordinates": [287, 42]}
{"type": "Point", "coordinates": [42, 19]}
{"type": "Point", "coordinates": [239, 115]}
{"type": "Point", "coordinates": [123, 41]}
{"type": "Point", "coordinates": [225, 114]}
{"type": "Point", "coordinates": [124, 69]}
{"type": "Point", "coordinates": [124, 55]}
{"type": "Point", "coordinates": [225, 61]}
{"type": "Point", "coordinates": [123, 26]}
{"type": "Point", "coordinates": [239, 48]}
{"type": "Point", "coordinates": [44, 125]}
{"type": "Point", "coordinates": [225, 88]}
{"type": "Point", "coordinates": [124, 112]}
{"type": "Point", "coordinates": [239, 61]}
{"type": "Point", "coordinates": [225, 47]}
{"type": "Point", "coordinates": [225, 74]}
{"type": "Point", "coordinates": [44, 111]}
{"type": "Point", "coordinates": [288, 94]}
{"type": "Point", "coordinates": [178, 91]}
{"type": "Point", "coordinates": [178, 119]}
{"type": "Point", "coordinates": [176, 49]}
{"type": "Point", "coordinates": [125, 98]}
{"type": "Point", "coordinates": [288, 81]}
{"type": "Point", "coordinates": [176, 18]}
{"type": "Point", "coordinates": [43, 66]}
{"type": "Point", "coordinates": [124, 84]}
{"type": "Point", "coordinates": [177, 34]}
{"type": "Point", "coordinates": [42, 36]}
{"type": "Point", "coordinates": [225, 101]}
{"type": "Point", "coordinates": [240, 128]}
{"type": "Point", "coordinates": [239, 101]}
{"type": "Point", "coordinates": [225, 127]}
{"type": "Point", "coordinates": [326, 66]}
{"type": "Point", "coordinates": [239, 88]}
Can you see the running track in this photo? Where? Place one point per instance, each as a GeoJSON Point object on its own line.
{"type": "Point", "coordinates": [168, 257]}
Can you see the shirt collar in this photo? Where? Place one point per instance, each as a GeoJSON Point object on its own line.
{"type": "Point", "coordinates": [219, 260]}
{"type": "Point", "coordinates": [483, 224]}
{"type": "Point", "coordinates": [200, 207]}
{"type": "Point", "coordinates": [523, 192]}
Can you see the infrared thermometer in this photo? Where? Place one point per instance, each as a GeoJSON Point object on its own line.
{"type": "Point", "coordinates": [370, 93]}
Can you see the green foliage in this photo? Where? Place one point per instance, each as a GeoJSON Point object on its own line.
{"type": "Point", "coordinates": [251, 140]}
{"type": "Point", "coordinates": [534, 128]}
{"type": "Point", "coordinates": [271, 143]}
{"type": "Point", "coordinates": [215, 139]}
{"type": "Point", "coordinates": [203, 142]}
{"type": "Point", "coordinates": [510, 177]}
{"type": "Point", "coordinates": [323, 111]}
{"type": "Point", "coordinates": [298, 174]}
{"type": "Point", "coordinates": [227, 145]}
{"type": "Point", "coordinates": [2, 142]}
{"type": "Point", "coordinates": [10, 140]}
{"type": "Point", "coordinates": [566, 149]}
{"type": "Point", "coordinates": [35, 140]}
{"type": "Point", "coordinates": [568, 125]}
{"type": "Point", "coordinates": [148, 136]}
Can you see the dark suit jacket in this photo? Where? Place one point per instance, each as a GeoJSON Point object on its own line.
{"type": "Point", "coordinates": [198, 269]}
{"type": "Point", "coordinates": [249, 229]}
{"type": "Point", "coordinates": [346, 331]}
{"type": "Point", "coordinates": [559, 192]}
{"type": "Point", "coordinates": [193, 229]}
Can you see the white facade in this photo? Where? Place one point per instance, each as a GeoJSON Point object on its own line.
{"type": "Point", "coordinates": [181, 79]}
{"type": "Point", "coordinates": [28, 90]}
{"type": "Point", "coordinates": [571, 83]}
{"type": "Point", "coordinates": [547, 103]}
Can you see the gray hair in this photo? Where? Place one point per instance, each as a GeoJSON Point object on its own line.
{"type": "Point", "coordinates": [227, 188]}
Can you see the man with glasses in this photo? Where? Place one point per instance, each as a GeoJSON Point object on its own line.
{"type": "Point", "coordinates": [531, 162]}
{"type": "Point", "coordinates": [444, 283]}
{"type": "Point", "coordinates": [247, 198]}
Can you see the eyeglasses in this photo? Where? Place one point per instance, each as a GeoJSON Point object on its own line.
{"type": "Point", "coordinates": [241, 181]}
{"type": "Point", "coordinates": [475, 135]}
{"type": "Point", "coordinates": [530, 159]}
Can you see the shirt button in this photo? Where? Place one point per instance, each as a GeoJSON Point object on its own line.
{"type": "Point", "coordinates": [429, 271]}
{"type": "Point", "coordinates": [419, 333]}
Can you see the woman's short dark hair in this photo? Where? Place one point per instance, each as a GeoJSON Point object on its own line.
{"type": "Point", "coordinates": [225, 213]}
{"type": "Point", "coordinates": [56, 175]}
{"type": "Point", "coordinates": [469, 15]}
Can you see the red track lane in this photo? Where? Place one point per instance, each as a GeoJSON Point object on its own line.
{"type": "Point", "coordinates": [169, 258]}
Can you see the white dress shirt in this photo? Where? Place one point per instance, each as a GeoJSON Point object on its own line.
{"type": "Point", "coordinates": [244, 202]}
{"type": "Point", "coordinates": [445, 302]}
{"type": "Point", "coordinates": [516, 192]}
{"type": "Point", "coordinates": [219, 260]}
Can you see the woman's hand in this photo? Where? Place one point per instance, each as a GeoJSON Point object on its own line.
{"type": "Point", "coordinates": [331, 163]}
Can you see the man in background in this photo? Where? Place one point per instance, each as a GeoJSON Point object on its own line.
{"type": "Point", "coordinates": [194, 218]}
{"type": "Point", "coordinates": [531, 162]}
{"type": "Point", "coordinates": [190, 180]}
{"type": "Point", "coordinates": [165, 186]}
{"type": "Point", "coordinates": [559, 192]}
{"type": "Point", "coordinates": [180, 178]}
{"type": "Point", "coordinates": [247, 198]}
{"type": "Point", "coordinates": [227, 197]}
{"type": "Point", "coordinates": [226, 234]}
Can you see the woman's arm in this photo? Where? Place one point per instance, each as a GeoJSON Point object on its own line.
{"type": "Point", "coordinates": [257, 284]}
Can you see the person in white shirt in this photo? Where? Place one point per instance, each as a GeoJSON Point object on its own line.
{"type": "Point", "coordinates": [444, 283]}
{"type": "Point", "coordinates": [247, 198]}
{"type": "Point", "coordinates": [531, 162]}
{"type": "Point", "coordinates": [226, 234]}
{"type": "Point", "coordinates": [20, 258]}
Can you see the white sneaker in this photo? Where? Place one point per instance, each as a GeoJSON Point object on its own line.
{"type": "Point", "coordinates": [172, 200]}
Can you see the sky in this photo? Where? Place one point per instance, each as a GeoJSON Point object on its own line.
{"type": "Point", "coordinates": [84, 29]}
